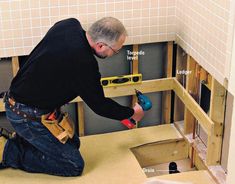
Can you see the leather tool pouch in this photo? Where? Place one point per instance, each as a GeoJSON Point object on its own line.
{"type": "Point", "coordinates": [62, 127]}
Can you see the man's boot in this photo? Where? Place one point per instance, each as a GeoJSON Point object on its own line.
{"type": "Point", "coordinates": [4, 135]}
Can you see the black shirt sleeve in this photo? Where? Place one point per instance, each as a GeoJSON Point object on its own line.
{"type": "Point", "coordinates": [91, 91]}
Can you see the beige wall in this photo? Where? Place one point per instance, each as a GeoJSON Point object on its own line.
{"type": "Point", "coordinates": [24, 22]}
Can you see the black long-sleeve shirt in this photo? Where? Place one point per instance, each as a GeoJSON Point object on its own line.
{"type": "Point", "coordinates": [61, 67]}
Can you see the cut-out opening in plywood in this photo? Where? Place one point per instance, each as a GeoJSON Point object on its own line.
{"type": "Point", "coordinates": [183, 165]}
{"type": "Point", "coordinates": [155, 158]}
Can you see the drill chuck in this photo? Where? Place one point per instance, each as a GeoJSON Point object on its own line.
{"type": "Point", "coordinates": [144, 102]}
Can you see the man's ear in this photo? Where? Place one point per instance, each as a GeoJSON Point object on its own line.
{"type": "Point", "coordinates": [99, 46]}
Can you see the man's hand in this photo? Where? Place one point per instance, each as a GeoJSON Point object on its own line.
{"type": "Point", "coordinates": [139, 113]}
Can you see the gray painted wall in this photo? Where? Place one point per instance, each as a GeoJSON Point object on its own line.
{"type": "Point", "coordinates": [5, 74]}
{"type": "Point", "coordinates": [151, 66]}
{"type": "Point", "coordinates": [5, 81]}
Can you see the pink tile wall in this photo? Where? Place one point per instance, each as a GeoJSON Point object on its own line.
{"type": "Point", "coordinates": [204, 28]}
{"type": "Point", "coordinates": [24, 22]}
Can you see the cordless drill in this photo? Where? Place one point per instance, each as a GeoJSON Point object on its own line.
{"type": "Point", "coordinates": [144, 102]}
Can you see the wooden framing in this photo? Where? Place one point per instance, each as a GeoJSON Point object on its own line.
{"type": "Point", "coordinates": [206, 123]}
{"type": "Point", "coordinates": [81, 119]}
{"type": "Point", "coordinates": [163, 85]}
{"type": "Point", "coordinates": [192, 88]}
{"type": "Point", "coordinates": [135, 70]}
{"type": "Point", "coordinates": [181, 64]}
{"type": "Point", "coordinates": [217, 109]}
{"type": "Point", "coordinates": [212, 124]}
{"type": "Point", "coordinates": [15, 65]}
{"type": "Point", "coordinates": [167, 95]}
{"type": "Point", "coordinates": [204, 157]}
{"type": "Point", "coordinates": [148, 86]}
{"type": "Point", "coordinates": [135, 62]}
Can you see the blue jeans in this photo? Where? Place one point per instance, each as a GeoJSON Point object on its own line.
{"type": "Point", "coordinates": [36, 150]}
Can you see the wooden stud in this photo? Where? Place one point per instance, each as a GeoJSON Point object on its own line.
{"type": "Point", "coordinates": [192, 88]}
{"type": "Point", "coordinates": [167, 95]}
{"type": "Point", "coordinates": [181, 63]}
{"type": "Point", "coordinates": [167, 107]}
{"type": "Point", "coordinates": [206, 123]}
{"type": "Point", "coordinates": [169, 59]}
{"type": "Point", "coordinates": [206, 78]}
{"type": "Point", "coordinates": [217, 110]}
{"type": "Point", "coordinates": [15, 65]}
{"type": "Point", "coordinates": [81, 119]}
{"type": "Point", "coordinates": [135, 62]}
{"type": "Point", "coordinates": [200, 165]}
{"type": "Point", "coordinates": [209, 81]}
{"type": "Point", "coordinates": [135, 70]}
{"type": "Point", "coordinates": [203, 75]}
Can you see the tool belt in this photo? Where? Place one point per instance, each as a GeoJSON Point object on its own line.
{"type": "Point", "coordinates": [62, 127]}
{"type": "Point", "coordinates": [58, 123]}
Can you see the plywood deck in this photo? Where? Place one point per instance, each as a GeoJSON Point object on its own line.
{"type": "Point", "coordinates": [107, 156]}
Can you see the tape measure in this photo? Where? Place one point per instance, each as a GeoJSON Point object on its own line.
{"type": "Point", "coordinates": [121, 80]}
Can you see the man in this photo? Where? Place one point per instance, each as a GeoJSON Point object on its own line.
{"type": "Point", "coordinates": [61, 67]}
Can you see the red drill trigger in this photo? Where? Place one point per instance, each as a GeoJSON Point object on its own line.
{"type": "Point", "coordinates": [128, 123]}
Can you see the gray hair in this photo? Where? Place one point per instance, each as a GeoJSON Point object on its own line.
{"type": "Point", "coordinates": [107, 30]}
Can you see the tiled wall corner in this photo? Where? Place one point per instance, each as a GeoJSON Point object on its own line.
{"type": "Point", "coordinates": [204, 29]}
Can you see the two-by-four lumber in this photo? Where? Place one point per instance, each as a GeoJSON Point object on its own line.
{"type": "Point", "coordinates": [206, 78]}
{"type": "Point", "coordinates": [148, 86]}
{"type": "Point", "coordinates": [167, 95]}
{"type": "Point", "coordinates": [217, 111]}
{"type": "Point", "coordinates": [15, 65]}
{"type": "Point", "coordinates": [181, 64]}
{"type": "Point", "coordinates": [192, 88]}
{"type": "Point", "coordinates": [192, 85]}
{"type": "Point", "coordinates": [81, 119]}
{"type": "Point", "coordinates": [206, 123]}
{"type": "Point", "coordinates": [135, 70]}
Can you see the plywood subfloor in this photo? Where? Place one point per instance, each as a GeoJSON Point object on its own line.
{"type": "Point", "coordinates": [107, 156]}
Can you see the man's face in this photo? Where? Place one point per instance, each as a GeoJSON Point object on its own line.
{"type": "Point", "coordinates": [103, 50]}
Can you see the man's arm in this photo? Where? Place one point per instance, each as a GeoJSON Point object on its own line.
{"type": "Point", "coordinates": [92, 93]}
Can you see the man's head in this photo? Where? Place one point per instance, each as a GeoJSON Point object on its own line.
{"type": "Point", "coordinates": [106, 36]}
